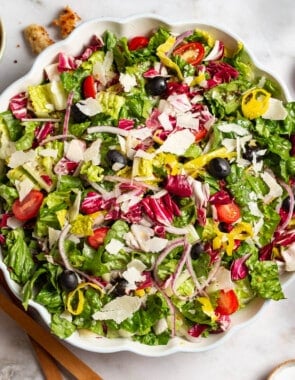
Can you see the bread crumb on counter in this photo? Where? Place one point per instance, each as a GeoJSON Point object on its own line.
{"type": "Point", "coordinates": [38, 37]}
{"type": "Point", "coordinates": [67, 21]}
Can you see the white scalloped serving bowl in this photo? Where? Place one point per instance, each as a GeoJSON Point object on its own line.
{"type": "Point", "coordinates": [137, 25]}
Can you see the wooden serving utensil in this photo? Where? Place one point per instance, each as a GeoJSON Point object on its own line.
{"type": "Point", "coordinates": [44, 340]}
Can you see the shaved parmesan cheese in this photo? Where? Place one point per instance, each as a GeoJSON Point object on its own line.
{"type": "Point", "coordinates": [119, 309]}
{"type": "Point", "coordinates": [13, 222]}
{"type": "Point", "coordinates": [19, 157]}
{"type": "Point", "coordinates": [89, 106]}
{"type": "Point", "coordinates": [93, 152]}
{"type": "Point", "coordinates": [53, 236]}
{"type": "Point", "coordinates": [102, 70]}
{"type": "Point", "coordinates": [232, 127]}
{"type": "Point", "coordinates": [276, 110]}
{"type": "Point", "coordinates": [165, 121]}
{"type": "Point", "coordinates": [48, 153]}
{"type": "Point", "coordinates": [52, 72]}
{"type": "Point", "coordinates": [229, 144]}
{"type": "Point", "coordinates": [275, 189]}
{"type": "Point", "coordinates": [180, 102]}
{"type": "Point", "coordinates": [178, 142]}
{"type": "Point", "coordinates": [141, 133]}
{"type": "Point", "coordinates": [254, 209]}
{"type": "Point", "coordinates": [74, 150]}
{"type": "Point", "coordinates": [186, 120]}
{"type": "Point", "coordinates": [114, 246]}
{"type": "Point", "coordinates": [222, 280]}
{"type": "Point", "coordinates": [24, 187]}
{"type": "Point", "coordinates": [160, 326]}
{"type": "Point", "coordinates": [133, 274]}
{"type": "Point", "coordinates": [289, 257]}
{"type": "Point", "coordinates": [128, 81]}
{"type": "Point", "coordinates": [143, 154]}
{"type": "Point", "coordinates": [155, 244]}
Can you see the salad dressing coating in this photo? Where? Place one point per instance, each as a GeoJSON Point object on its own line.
{"type": "Point", "coordinates": [147, 187]}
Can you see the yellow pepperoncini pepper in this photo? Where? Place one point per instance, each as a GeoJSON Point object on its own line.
{"type": "Point", "coordinates": [192, 167]}
{"type": "Point", "coordinates": [78, 295]}
{"type": "Point", "coordinates": [226, 241]}
{"type": "Point", "coordinates": [162, 51]}
{"type": "Point", "coordinates": [207, 307]}
{"type": "Point", "coordinates": [255, 103]}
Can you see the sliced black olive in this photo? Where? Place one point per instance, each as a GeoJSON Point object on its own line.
{"type": "Point", "coordinates": [77, 115]}
{"type": "Point", "coordinates": [251, 151]}
{"type": "Point", "coordinates": [68, 280]}
{"type": "Point", "coordinates": [116, 159]}
{"type": "Point", "coordinates": [196, 250]}
{"type": "Point", "coordinates": [120, 285]}
{"type": "Point", "coordinates": [156, 86]}
{"type": "Point", "coordinates": [219, 167]}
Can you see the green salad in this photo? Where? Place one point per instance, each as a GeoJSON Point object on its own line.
{"type": "Point", "coordinates": [147, 187]}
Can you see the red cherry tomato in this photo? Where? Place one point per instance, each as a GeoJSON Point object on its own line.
{"type": "Point", "coordinates": [89, 89]}
{"type": "Point", "coordinates": [97, 238]}
{"type": "Point", "coordinates": [29, 207]}
{"type": "Point", "coordinates": [228, 213]}
{"type": "Point", "coordinates": [227, 302]}
{"type": "Point", "coordinates": [200, 134]}
{"type": "Point", "coordinates": [138, 42]}
{"type": "Point", "coordinates": [191, 52]}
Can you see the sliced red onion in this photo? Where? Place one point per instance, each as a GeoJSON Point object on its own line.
{"type": "Point", "coordinates": [198, 288]}
{"type": "Point", "coordinates": [113, 178]}
{"type": "Point", "coordinates": [57, 137]}
{"type": "Point", "coordinates": [61, 247]}
{"type": "Point", "coordinates": [179, 40]}
{"type": "Point", "coordinates": [108, 129]}
{"type": "Point", "coordinates": [291, 208]}
{"type": "Point", "coordinates": [179, 268]}
{"type": "Point", "coordinates": [173, 244]}
{"type": "Point", "coordinates": [67, 113]}
{"type": "Point", "coordinates": [171, 308]}
{"type": "Point", "coordinates": [211, 274]}
{"type": "Point", "coordinates": [216, 53]}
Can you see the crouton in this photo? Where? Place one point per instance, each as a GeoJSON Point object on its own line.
{"type": "Point", "coordinates": [66, 21]}
{"type": "Point", "coordinates": [37, 37]}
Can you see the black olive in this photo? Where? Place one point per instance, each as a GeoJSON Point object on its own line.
{"type": "Point", "coordinates": [196, 250]}
{"type": "Point", "coordinates": [286, 204]}
{"type": "Point", "coordinates": [68, 280]}
{"type": "Point", "coordinates": [77, 115]}
{"type": "Point", "coordinates": [219, 167]}
{"type": "Point", "coordinates": [249, 152]}
{"type": "Point", "coordinates": [116, 159]}
{"type": "Point", "coordinates": [156, 86]}
{"type": "Point", "coordinates": [120, 285]}
{"type": "Point", "coordinates": [225, 227]}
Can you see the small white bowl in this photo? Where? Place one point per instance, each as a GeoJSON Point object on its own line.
{"type": "Point", "coordinates": [284, 371]}
{"type": "Point", "coordinates": [2, 38]}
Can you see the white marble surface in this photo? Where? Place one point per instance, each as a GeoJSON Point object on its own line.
{"type": "Point", "coordinates": [268, 28]}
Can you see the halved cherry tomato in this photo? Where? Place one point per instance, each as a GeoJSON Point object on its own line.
{"type": "Point", "coordinates": [227, 302]}
{"type": "Point", "coordinates": [200, 134]}
{"type": "Point", "coordinates": [97, 238]}
{"type": "Point", "coordinates": [228, 213]}
{"type": "Point", "coordinates": [138, 42]}
{"type": "Point", "coordinates": [191, 52]}
{"type": "Point", "coordinates": [29, 207]}
{"type": "Point", "coordinates": [89, 89]}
